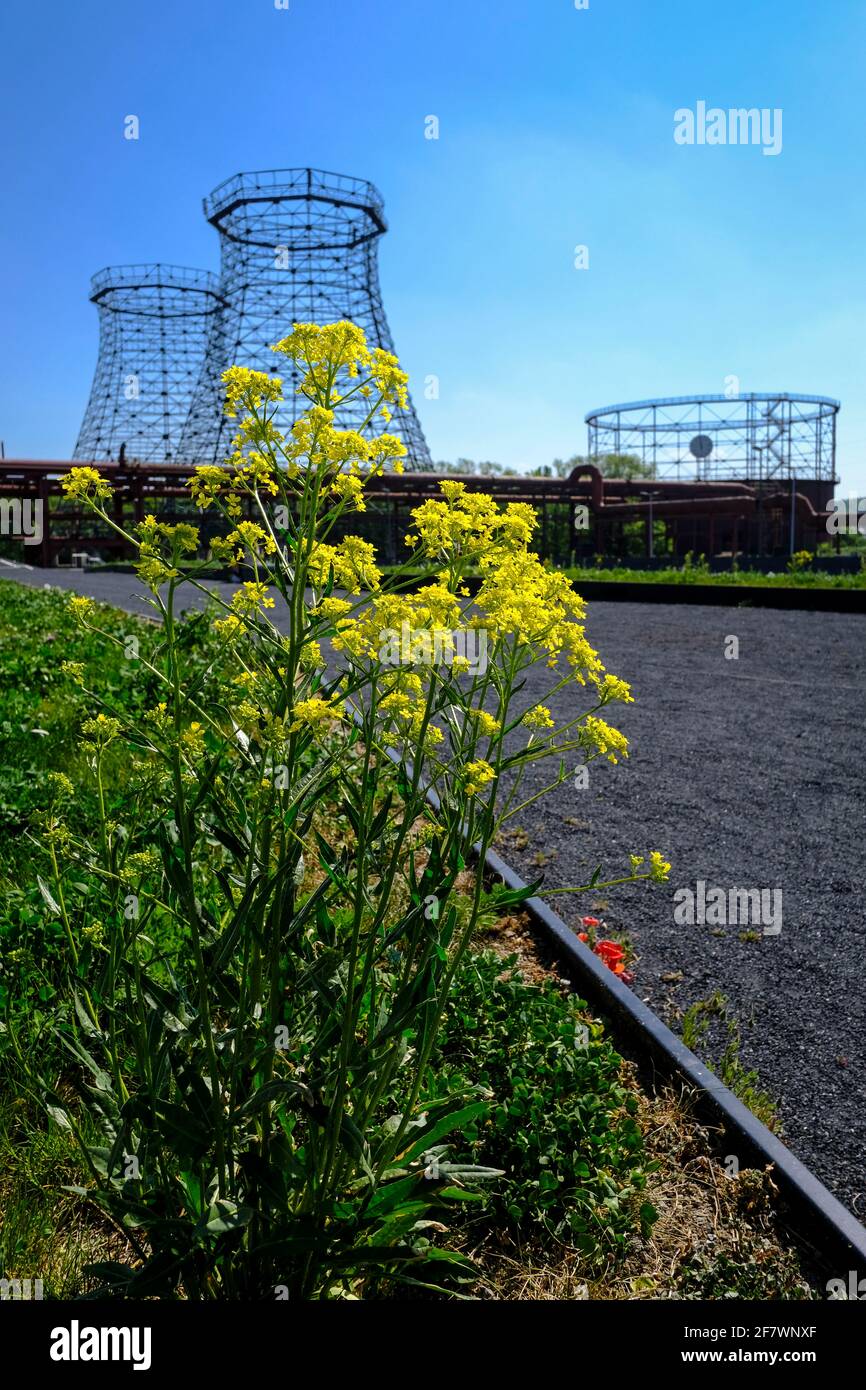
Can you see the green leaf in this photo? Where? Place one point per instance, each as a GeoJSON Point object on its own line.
{"type": "Point", "coordinates": [446, 1125]}
{"type": "Point", "coordinates": [46, 893]}
{"type": "Point", "coordinates": [511, 897]}
{"type": "Point", "coordinates": [182, 1131]}
{"type": "Point", "coordinates": [84, 1018]}
{"type": "Point", "coordinates": [226, 1216]}
{"type": "Point", "coordinates": [471, 1171]}
{"type": "Point", "coordinates": [271, 1091]}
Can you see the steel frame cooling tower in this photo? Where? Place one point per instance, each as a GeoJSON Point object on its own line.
{"type": "Point", "coordinates": [154, 325]}
{"type": "Point", "coordinates": [297, 246]}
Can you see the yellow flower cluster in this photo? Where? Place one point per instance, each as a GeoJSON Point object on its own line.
{"type": "Point", "coordinates": [61, 786]}
{"type": "Point", "coordinates": [478, 774]}
{"type": "Point", "coordinates": [333, 608]}
{"type": "Point", "coordinates": [314, 437]}
{"type": "Point", "coordinates": [485, 723]}
{"type": "Point", "coordinates": [334, 347]}
{"type": "Point", "coordinates": [159, 717]}
{"type": "Point", "coordinates": [352, 564]}
{"type": "Point", "coordinates": [659, 867]}
{"type": "Point", "coordinates": [315, 714]}
{"type": "Point", "coordinates": [160, 547]}
{"type": "Point", "coordinates": [247, 538]}
{"type": "Point", "coordinates": [612, 688]}
{"type": "Point", "coordinates": [74, 671]}
{"type": "Point", "coordinates": [245, 474]}
{"type": "Point", "coordinates": [467, 525]}
{"type": "Point", "coordinates": [86, 485]}
{"type": "Point", "coordinates": [538, 607]}
{"type": "Point", "coordinates": [100, 731]}
{"type": "Point", "coordinates": [519, 598]}
{"type": "Point", "coordinates": [230, 629]}
{"type": "Point", "coordinates": [81, 607]}
{"type": "Point", "coordinates": [390, 381]}
{"type": "Point", "coordinates": [349, 488]}
{"type": "Point", "coordinates": [386, 446]}
{"type": "Point", "coordinates": [598, 737]}
{"type": "Point", "coordinates": [403, 629]}
{"type": "Point", "coordinates": [402, 707]}
{"type": "Point", "coordinates": [341, 447]}
{"type": "Point", "coordinates": [311, 658]}
{"type": "Point", "coordinates": [311, 435]}
{"type": "Point", "coordinates": [344, 457]}
{"type": "Point", "coordinates": [251, 598]}
{"type": "Point", "coordinates": [192, 739]}
{"type": "Point", "coordinates": [208, 482]}
{"type": "Point", "coordinates": [249, 388]}
{"type": "Point", "coordinates": [539, 717]}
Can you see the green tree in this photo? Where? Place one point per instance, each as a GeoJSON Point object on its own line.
{"type": "Point", "coordinates": [627, 466]}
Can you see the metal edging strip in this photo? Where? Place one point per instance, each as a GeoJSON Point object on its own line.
{"type": "Point", "coordinates": [828, 1225]}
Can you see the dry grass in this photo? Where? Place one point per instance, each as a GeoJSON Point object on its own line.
{"type": "Point", "coordinates": [704, 1217]}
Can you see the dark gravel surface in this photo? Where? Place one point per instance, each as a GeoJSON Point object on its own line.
{"type": "Point", "coordinates": [746, 773]}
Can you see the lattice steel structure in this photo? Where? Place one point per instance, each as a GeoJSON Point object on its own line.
{"type": "Point", "coordinates": [297, 246]}
{"type": "Point", "coordinates": [753, 438]}
{"type": "Point", "coordinates": [154, 324]}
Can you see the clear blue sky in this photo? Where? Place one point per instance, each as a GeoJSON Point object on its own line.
{"type": "Point", "coordinates": [556, 128]}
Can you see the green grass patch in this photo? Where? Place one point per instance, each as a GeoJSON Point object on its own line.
{"type": "Point", "coordinates": [725, 1057]}
{"type": "Point", "coordinates": [697, 573]}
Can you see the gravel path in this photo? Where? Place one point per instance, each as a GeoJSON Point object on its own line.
{"type": "Point", "coordinates": [745, 773]}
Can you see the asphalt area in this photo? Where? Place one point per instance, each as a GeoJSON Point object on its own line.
{"type": "Point", "coordinates": [745, 773]}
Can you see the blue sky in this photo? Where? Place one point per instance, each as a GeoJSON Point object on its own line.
{"type": "Point", "coordinates": [556, 129]}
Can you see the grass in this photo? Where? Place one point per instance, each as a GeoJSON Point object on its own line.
{"type": "Point", "coordinates": [700, 574]}
{"type": "Point", "coordinates": [744, 1082]}
{"type": "Point", "coordinates": [40, 717]}
{"type": "Point", "coordinates": [45, 1233]}
{"type": "Point", "coordinates": [697, 573]}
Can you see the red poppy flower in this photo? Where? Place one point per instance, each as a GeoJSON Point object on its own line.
{"type": "Point", "coordinates": [610, 951]}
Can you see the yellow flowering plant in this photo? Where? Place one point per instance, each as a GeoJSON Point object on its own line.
{"type": "Point", "coordinates": [270, 1073]}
